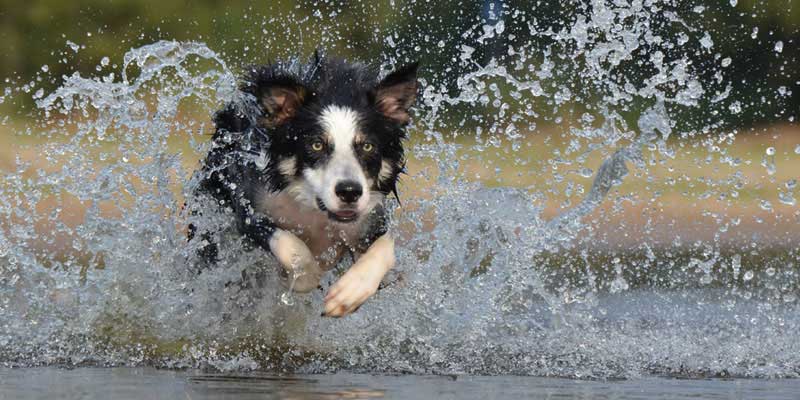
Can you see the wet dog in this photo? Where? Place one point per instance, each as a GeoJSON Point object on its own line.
{"type": "Point", "coordinates": [304, 159]}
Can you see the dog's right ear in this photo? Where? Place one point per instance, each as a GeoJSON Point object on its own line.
{"type": "Point", "coordinates": [280, 102]}
{"type": "Point", "coordinates": [279, 94]}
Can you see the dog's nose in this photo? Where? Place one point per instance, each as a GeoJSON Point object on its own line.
{"type": "Point", "coordinates": [348, 191]}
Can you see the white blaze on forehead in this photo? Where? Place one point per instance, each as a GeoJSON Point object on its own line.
{"type": "Point", "coordinates": [341, 123]}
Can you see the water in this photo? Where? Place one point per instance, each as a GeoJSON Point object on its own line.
{"type": "Point", "coordinates": [515, 257]}
{"type": "Point", "coordinates": [147, 383]}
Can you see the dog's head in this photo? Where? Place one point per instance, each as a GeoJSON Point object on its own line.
{"type": "Point", "coordinates": [335, 132]}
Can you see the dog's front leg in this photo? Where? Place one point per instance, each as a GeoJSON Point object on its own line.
{"type": "Point", "coordinates": [295, 257]}
{"type": "Point", "coordinates": [362, 279]}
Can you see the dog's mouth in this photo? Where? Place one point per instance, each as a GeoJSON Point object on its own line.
{"type": "Point", "coordinates": [343, 216]}
{"type": "Point", "coordinates": [338, 216]}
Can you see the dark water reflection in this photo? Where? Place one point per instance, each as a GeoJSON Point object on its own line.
{"type": "Point", "coordinates": [146, 383]}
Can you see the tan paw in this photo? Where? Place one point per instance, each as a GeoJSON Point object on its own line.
{"type": "Point", "coordinates": [350, 292]}
{"type": "Point", "coordinates": [294, 256]}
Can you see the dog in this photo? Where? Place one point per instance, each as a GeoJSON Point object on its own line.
{"type": "Point", "coordinates": [304, 159]}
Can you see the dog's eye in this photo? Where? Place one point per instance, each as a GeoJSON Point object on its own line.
{"type": "Point", "coordinates": [367, 147]}
{"type": "Point", "coordinates": [317, 146]}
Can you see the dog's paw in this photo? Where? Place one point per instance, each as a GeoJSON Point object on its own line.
{"type": "Point", "coordinates": [305, 282]}
{"type": "Point", "coordinates": [295, 257]}
{"type": "Point", "coordinates": [350, 292]}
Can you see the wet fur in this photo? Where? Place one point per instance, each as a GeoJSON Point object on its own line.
{"type": "Point", "coordinates": [264, 168]}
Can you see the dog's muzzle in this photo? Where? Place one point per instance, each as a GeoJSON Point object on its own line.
{"type": "Point", "coordinates": [339, 216]}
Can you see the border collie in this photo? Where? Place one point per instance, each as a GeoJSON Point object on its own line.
{"type": "Point", "coordinates": [304, 160]}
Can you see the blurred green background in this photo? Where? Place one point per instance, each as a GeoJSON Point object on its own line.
{"type": "Point", "coordinates": [40, 32]}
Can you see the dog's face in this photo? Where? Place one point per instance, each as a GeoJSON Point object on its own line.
{"type": "Point", "coordinates": [340, 165]}
{"type": "Point", "coordinates": [336, 140]}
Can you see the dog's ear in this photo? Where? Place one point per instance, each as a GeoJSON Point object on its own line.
{"type": "Point", "coordinates": [280, 102]}
{"type": "Point", "coordinates": [396, 93]}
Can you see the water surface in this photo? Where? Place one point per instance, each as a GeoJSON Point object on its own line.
{"type": "Point", "coordinates": [148, 383]}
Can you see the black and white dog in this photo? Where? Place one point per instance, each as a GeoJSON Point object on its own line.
{"type": "Point", "coordinates": [304, 160]}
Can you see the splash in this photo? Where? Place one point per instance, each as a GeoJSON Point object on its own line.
{"type": "Point", "coordinates": [96, 268]}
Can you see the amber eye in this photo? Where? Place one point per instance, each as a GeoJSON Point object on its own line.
{"type": "Point", "coordinates": [368, 147]}
{"type": "Point", "coordinates": [317, 146]}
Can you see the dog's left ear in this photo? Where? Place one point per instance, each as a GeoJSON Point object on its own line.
{"type": "Point", "coordinates": [281, 103]}
{"type": "Point", "coordinates": [396, 93]}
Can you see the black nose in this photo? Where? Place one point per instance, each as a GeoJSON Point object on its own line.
{"type": "Point", "coordinates": [348, 191]}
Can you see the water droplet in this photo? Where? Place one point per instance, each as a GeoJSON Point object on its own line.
{"type": "Point", "coordinates": [74, 46]}
{"type": "Point", "coordinates": [287, 298]}
{"type": "Point", "coordinates": [45, 68]}
{"type": "Point", "coordinates": [734, 2]}
{"type": "Point", "coordinates": [770, 271]}
{"type": "Point", "coordinates": [726, 61]}
{"type": "Point", "coordinates": [797, 149]}
{"type": "Point", "coordinates": [768, 161]}
{"type": "Point", "coordinates": [261, 160]}
{"type": "Point", "coordinates": [736, 264]}
{"type": "Point", "coordinates": [619, 284]}
{"type": "Point", "coordinates": [786, 198]}
{"type": "Point", "coordinates": [748, 276]}
{"type": "Point", "coordinates": [105, 61]}
{"type": "Point", "coordinates": [779, 47]}
{"type": "Point", "coordinates": [500, 27]}
{"type": "Point", "coordinates": [706, 41]}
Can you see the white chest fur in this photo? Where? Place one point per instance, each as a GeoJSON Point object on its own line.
{"type": "Point", "coordinates": [326, 239]}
